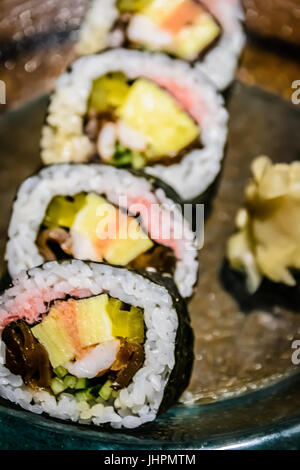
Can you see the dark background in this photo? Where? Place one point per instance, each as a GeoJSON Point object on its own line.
{"type": "Point", "coordinates": [37, 37]}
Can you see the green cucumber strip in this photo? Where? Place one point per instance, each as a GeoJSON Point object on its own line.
{"type": "Point", "coordinates": [70, 381]}
{"type": "Point", "coordinates": [60, 371]}
{"type": "Point", "coordinates": [80, 384]}
{"type": "Point", "coordinates": [83, 395]}
{"type": "Point", "coordinates": [57, 386]}
{"type": "Point", "coordinates": [106, 390]}
{"type": "Point", "coordinates": [138, 160]}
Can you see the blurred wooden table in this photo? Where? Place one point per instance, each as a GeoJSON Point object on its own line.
{"type": "Point", "coordinates": [36, 45]}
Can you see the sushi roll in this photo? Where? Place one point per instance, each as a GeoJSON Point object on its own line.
{"type": "Point", "coordinates": [207, 33]}
{"type": "Point", "coordinates": [266, 245]}
{"type": "Point", "coordinates": [93, 343]}
{"type": "Point", "coordinates": [139, 110]}
{"type": "Point", "coordinates": [101, 213]}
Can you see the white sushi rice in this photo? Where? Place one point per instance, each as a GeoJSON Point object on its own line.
{"type": "Point", "coordinates": [220, 62]}
{"type": "Point", "coordinates": [140, 401]}
{"type": "Point", "coordinates": [196, 171]}
{"type": "Point", "coordinates": [95, 31]}
{"type": "Point", "coordinates": [36, 193]}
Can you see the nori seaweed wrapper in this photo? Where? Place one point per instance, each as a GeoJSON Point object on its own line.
{"type": "Point", "coordinates": [154, 182]}
{"type": "Point", "coordinates": [184, 344]}
{"type": "Point", "coordinates": [157, 183]}
{"type": "Point", "coordinates": [268, 295]}
{"type": "Point", "coordinates": [5, 282]}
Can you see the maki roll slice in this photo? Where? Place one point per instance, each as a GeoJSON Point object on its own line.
{"type": "Point", "coordinates": [138, 110]}
{"type": "Point", "coordinates": [266, 245]}
{"type": "Point", "coordinates": [95, 343]}
{"type": "Point", "coordinates": [203, 32]}
{"type": "Point", "coordinates": [101, 213]}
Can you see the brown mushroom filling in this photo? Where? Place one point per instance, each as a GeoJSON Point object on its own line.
{"type": "Point", "coordinates": [130, 359]}
{"type": "Point", "coordinates": [25, 356]}
{"type": "Point", "coordinates": [54, 244]}
{"type": "Point", "coordinates": [28, 357]}
{"type": "Point", "coordinates": [55, 240]}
